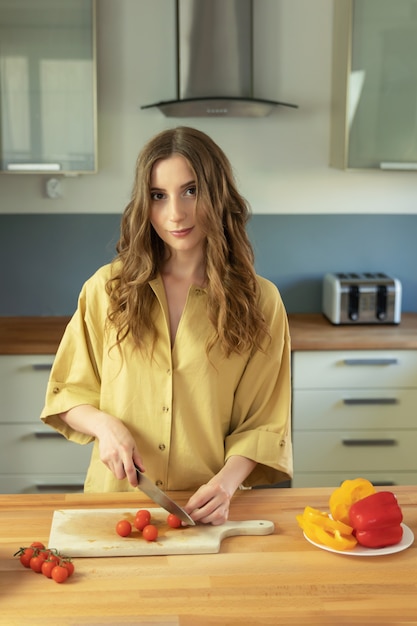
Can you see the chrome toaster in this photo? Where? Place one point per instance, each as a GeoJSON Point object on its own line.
{"type": "Point", "coordinates": [368, 298]}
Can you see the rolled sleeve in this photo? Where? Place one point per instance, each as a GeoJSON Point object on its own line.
{"type": "Point", "coordinates": [75, 374]}
{"type": "Point", "coordinates": [262, 407]}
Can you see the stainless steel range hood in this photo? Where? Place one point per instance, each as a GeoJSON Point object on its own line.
{"type": "Point", "coordinates": [215, 62]}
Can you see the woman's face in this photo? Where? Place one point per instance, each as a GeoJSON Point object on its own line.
{"type": "Point", "coordinates": [173, 204]}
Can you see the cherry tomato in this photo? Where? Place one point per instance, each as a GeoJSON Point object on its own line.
{"type": "Point", "coordinates": [25, 556]}
{"type": "Point", "coordinates": [55, 558]}
{"type": "Point", "coordinates": [37, 544]}
{"type": "Point", "coordinates": [150, 532]}
{"type": "Point", "coordinates": [124, 528]}
{"type": "Point", "coordinates": [144, 513]}
{"type": "Point", "coordinates": [70, 567]}
{"type": "Point", "coordinates": [36, 563]}
{"type": "Point", "coordinates": [142, 519]}
{"type": "Point", "coordinates": [173, 521]}
{"type": "Point", "coordinates": [59, 574]}
{"type": "Point", "coordinates": [47, 567]}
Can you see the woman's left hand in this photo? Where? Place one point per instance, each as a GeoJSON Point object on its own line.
{"type": "Point", "coordinates": [210, 503]}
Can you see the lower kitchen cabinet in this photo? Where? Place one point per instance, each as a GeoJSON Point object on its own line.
{"type": "Point", "coordinates": [354, 414]}
{"type": "Point", "coordinates": [34, 458]}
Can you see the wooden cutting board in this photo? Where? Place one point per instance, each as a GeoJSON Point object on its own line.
{"type": "Point", "coordinates": [92, 533]}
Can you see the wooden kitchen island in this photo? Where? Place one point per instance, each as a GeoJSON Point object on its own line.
{"type": "Point", "coordinates": [274, 579]}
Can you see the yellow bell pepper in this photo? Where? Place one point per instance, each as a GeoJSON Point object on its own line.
{"type": "Point", "coordinates": [349, 492]}
{"type": "Point", "coordinates": [321, 528]}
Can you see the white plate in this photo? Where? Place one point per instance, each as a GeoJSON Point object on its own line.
{"type": "Point", "coordinates": [406, 541]}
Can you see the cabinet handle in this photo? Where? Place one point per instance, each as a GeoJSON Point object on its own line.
{"type": "Point", "coordinates": [378, 361]}
{"type": "Point", "coordinates": [33, 167]}
{"type": "Point", "coordinates": [369, 442]}
{"type": "Point", "coordinates": [394, 165]}
{"type": "Point", "coordinates": [356, 401]}
{"type": "Point", "coordinates": [59, 487]}
{"type": "Point", "coordinates": [39, 367]}
{"type": "Point", "coordinates": [45, 434]}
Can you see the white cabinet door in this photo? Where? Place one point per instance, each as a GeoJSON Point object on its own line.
{"type": "Point", "coordinates": [350, 450]}
{"type": "Point", "coordinates": [339, 409]}
{"type": "Point", "coordinates": [36, 482]}
{"type": "Point", "coordinates": [23, 381]}
{"type": "Point", "coordinates": [359, 369]}
{"type": "Point", "coordinates": [334, 479]}
{"type": "Point", "coordinates": [28, 447]}
{"type": "Point", "coordinates": [34, 458]}
{"type": "Point", "coordinates": [354, 413]}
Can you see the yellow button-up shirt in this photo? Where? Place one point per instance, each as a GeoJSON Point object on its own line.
{"type": "Point", "coordinates": [187, 412]}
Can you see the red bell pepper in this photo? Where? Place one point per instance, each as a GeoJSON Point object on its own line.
{"type": "Point", "coordinates": [376, 520]}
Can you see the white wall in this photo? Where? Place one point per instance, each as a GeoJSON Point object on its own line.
{"type": "Point", "coordinates": [281, 161]}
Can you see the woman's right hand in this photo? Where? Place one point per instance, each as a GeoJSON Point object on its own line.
{"type": "Point", "coordinates": [117, 447]}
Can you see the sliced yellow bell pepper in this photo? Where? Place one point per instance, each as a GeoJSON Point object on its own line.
{"type": "Point", "coordinates": [334, 540]}
{"type": "Point", "coordinates": [321, 528]}
{"type": "Point", "coordinates": [349, 492]}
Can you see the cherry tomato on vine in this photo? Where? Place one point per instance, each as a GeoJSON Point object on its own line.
{"type": "Point", "coordinates": [47, 567]}
{"type": "Point", "coordinates": [69, 565]}
{"type": "Point", "coordinates": [36, 563]}
{"type": "Point", "coordinates": [47, 553]}
{"type": "Point", "coordinates": [54, 558]}
{"type": "Point", "coordinates": [37, 544]}
{"type": "Point", "coordinates": [150, 532]}
{"type": "Point", "coordinates": [59, 574]}
{"type": "Point", "coordinates": [124, 528]}
{"type": "Point", "coordinates": [173, 521]}
{"type": "Point", "coordinates": [25, 556]}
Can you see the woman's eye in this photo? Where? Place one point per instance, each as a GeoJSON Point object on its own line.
{"type": "Point", "coordinates": [157, 195]}
{"type": "Point", "coordinates": [191, 191]}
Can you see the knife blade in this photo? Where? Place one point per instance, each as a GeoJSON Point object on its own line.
{"type": "Point", "coordinates": [161, 498]}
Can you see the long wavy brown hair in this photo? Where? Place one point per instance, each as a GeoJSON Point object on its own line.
{"type": "Point", "coordinates": [222, 213]}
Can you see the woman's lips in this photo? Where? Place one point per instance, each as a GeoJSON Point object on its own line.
{"type": "Point", "coordinates": [181, 233]}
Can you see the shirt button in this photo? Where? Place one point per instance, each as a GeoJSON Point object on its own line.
{"type": "Point", "coordinates": [168, 371]}
{"type": "Point", "coordinates": [161, 446]}
{"type": "Point", "coordinates": [159, 483]}
{"type": "Point", "coordinates": [165, 409]}
{"type": "Point", "coordinates": [55, 390]}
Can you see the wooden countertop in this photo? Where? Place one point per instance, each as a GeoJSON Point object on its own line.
{"type": "Point", "coordinates": [315, 332]}
{"type": "Point", "coordinates": [31, 335]}
{"type": "Point", "coordinates": [275, 579]}
{"type": "Point", "coordinates": [309, 331]}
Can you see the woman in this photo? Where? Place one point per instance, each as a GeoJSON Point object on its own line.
{"type": "Point", "coordinates": [178, 356]}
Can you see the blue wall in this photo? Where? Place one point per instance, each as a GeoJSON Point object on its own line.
{"type": "Point", "coordinates": [46, 258]}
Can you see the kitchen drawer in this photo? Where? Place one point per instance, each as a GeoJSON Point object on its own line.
{"type": "Point", "coordinates": [42, 483]}
{"type": "Point", "coordinates": [354, 368]}
{"type": "Point", "coordinates": [353, 451]}
{"type": "Point", "coordinates": [23, 382]}
{"type": "Point", "coordinates": [334, 479]}
{"type": "Point", "coordinates": [26, 448]}
{"type": "Point", "coordinates": [341, 409]}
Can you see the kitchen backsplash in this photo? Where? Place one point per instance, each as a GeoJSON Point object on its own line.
{"type": "Point", "coordinates": [46, 258]}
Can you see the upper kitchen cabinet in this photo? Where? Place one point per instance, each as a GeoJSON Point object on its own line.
{"type": "Point", "coordinates": [48, 109]}
{"type": "Point", "coordinates": [374, 82]}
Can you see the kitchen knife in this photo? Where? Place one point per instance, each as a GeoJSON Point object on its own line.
{"type": "Point", "coordinates": [161, 498]}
